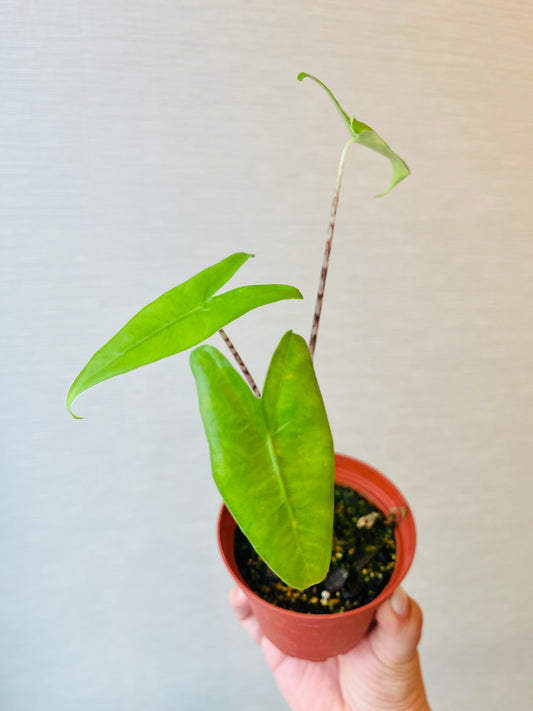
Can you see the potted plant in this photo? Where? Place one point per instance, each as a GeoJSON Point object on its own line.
{"type": "Point", "coordinates": [272, 455]}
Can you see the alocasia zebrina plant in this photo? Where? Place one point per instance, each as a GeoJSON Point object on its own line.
{"type": "Point", "coordinates": [272, 455]}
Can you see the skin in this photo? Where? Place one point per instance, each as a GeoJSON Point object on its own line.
{"type": "Point", "coordinates": [381, 673]}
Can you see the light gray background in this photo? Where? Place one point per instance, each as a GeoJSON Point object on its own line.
{"type": "Point", "coordinates": [143, 141]}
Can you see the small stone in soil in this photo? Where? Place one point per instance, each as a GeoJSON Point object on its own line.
{"type": "Point", "coordinates": [336, 580]}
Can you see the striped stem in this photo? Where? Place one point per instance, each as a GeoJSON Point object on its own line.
{"type": "Point", "coordinates": [327, 250]}
{"type": "Point", "coordinates": [240, 363]}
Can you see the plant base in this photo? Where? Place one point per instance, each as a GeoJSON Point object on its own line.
{"type": "Point", "coordinates": [318, 636]}
{"type": "Point", "coordinates": [362, 560]}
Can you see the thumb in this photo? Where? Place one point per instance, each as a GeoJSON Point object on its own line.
{"type": "Point", "coordinates": [397, 633]}
{"type": "Point", "coordinates": [243, 612]}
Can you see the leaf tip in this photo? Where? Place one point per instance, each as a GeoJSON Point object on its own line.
{"type": "Point", "coordinates": [405, 173]}
{"type": "Point", "coordinates": [71, 396]}
{"type": "Point", "coordinates": [301, 76]}
{"type": "Point", "coordinates": [198, 353]}
{"type": "Point", "coordinates": [76, 417]}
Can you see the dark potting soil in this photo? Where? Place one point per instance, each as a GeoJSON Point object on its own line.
{"type": "Point", "coordinates": [362, 560]}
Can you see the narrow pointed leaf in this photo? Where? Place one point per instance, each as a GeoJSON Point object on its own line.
{"type": "Point", "coordinates": [179, 319]}
{"type": "Point", "coordinates": [366, 136]}
{"type": "Point", "coordinates": [272, 458]}
{"type": "Point", "coordinates": [344, 116]}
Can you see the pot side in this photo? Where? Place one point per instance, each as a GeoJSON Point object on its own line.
{"type": "Point", "coordinates": [317, 637]}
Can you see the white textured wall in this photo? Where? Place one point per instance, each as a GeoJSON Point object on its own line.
{"type": "Point", "coordinates": [142, 141]}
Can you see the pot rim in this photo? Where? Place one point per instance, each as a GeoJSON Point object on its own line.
{"type": "Point", "coordinates": [404, 557]}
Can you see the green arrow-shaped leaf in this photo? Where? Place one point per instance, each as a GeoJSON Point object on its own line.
{"type": "Point", "coordinates": [272, 458]}
{"type": "Point", "coordinates": [179, 319]}
{"type": "Point", "coordinates": [366, 136]}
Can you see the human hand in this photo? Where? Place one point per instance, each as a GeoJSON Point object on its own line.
{"type": "Point", "coordinates": [382, 672]}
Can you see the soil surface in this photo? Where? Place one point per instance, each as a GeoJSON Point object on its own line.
{"type": "Point", "coordinates": [362, 560]}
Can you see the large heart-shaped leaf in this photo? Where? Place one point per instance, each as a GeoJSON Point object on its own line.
{"type": "Point", "coordinates": [179, 319]}
{"type": "Point", "coordinates": [366, 136]}
{"type": "Point", "coordinates": [272, 458]}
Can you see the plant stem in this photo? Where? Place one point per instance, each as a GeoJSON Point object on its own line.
{"type": "Point", "coordinates": [327, 250]}
{"type": "Point", "coordinates": [240, 363]}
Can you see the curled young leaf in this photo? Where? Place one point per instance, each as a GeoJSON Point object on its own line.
{"type": "Point", "coordinates": [179, 319]}
{"type": "Point", "coordinates": [366, 136]}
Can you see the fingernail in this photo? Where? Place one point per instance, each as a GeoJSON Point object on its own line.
{"type": "Point", "coordinates": [400, 602]}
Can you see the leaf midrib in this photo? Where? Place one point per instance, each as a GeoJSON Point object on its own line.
{"type": "Point", "coordinates": [279, 475]}
{"type": "Point", "coordinates": [153, 334]}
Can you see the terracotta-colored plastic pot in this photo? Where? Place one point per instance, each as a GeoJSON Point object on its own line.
{"type": "Point", "coordinates": [317, 637]}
